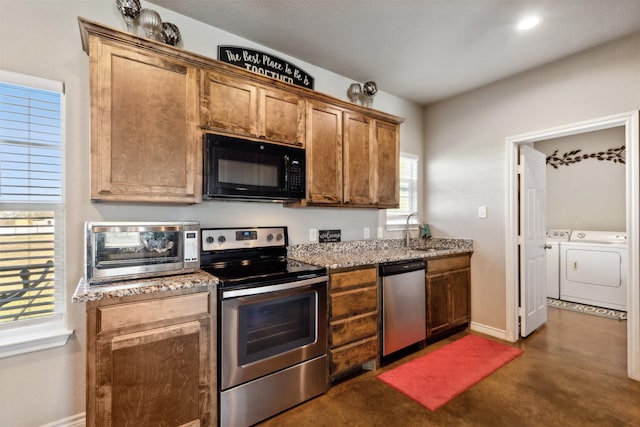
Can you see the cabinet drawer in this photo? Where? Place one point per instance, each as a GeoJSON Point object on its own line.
{"type": "Point", "coordinates": [353, 354]}
{"type": "Point", "coordinates": [139, 313]}
{"type": "Point", "coordinates": [353, 329]}
{"type": "Point", "coordinates": [354, 302]}
{"type": "Point", "coordinates": [349, 279]}
{"type": "Point", "coordinates": [449, 263]}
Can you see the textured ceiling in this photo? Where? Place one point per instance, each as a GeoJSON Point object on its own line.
{"type": "Point", "coordinates": [421, 50]}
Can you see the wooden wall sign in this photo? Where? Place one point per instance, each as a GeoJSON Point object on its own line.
{"type": "Point", "coordinates": [265, 64]}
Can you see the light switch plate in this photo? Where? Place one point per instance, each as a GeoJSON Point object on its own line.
{"type": "Point", "coordinates": [379, 232]}
{"type": "Point", "coordinates": [482, 211]}
{"type": "Point", "coordinates": [367, 233]}
{"type": "Point", "coordinates": [313, 235]}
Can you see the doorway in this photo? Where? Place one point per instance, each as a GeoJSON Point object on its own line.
{"type": "Point", "coordinates": [630, 121]}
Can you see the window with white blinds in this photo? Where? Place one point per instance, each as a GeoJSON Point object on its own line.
{"type": "Point", "coordinates": [31, 199]}
{"type": "Point", "coordinates": [396, 218]}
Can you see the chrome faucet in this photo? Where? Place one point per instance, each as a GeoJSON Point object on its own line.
{"type": "Point", "coordinates": [406, 230]}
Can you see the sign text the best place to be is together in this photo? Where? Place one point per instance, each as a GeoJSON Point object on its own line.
{"type": "Point", "coordinates": [265, 64]}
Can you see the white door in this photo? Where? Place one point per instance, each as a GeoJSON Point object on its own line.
{"type": "Point", "coordinates": [533, 273]}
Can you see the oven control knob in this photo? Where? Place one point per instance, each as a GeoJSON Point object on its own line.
{"type": "Point", "coordinates": [222, 239]}
{"type": "Point", "coordinates": [209, 239]}
{"type": "Point", "coordinates": [269, 237]}
{"type": "Point", "coordinates": [279, 236]}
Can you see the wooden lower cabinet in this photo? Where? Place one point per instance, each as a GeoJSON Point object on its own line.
{"type": "Point", "coordinates": [448, 282]}
{"type": "Point", "coordinates": [353, 320]}
{"type": "Point", "coordinates": [149, 361]}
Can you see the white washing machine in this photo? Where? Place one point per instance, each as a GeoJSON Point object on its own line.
{"type": "Point", "coordinates": [554, 238]}
{"type": "Point", "coordinates": [593, 269]}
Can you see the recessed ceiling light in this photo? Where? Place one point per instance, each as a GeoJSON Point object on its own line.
{"type": "Point", "coordinates": [528, 23]}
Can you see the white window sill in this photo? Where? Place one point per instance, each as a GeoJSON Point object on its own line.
{"type": "Point", "coordinates": [40, 336]}
{"type": "Point", "coordinates": [400, 227]}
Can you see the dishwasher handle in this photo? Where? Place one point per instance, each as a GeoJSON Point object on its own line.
{"type": "Point", "coordinates": [400, 267]}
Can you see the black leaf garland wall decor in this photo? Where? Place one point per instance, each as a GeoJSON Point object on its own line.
{"type": "Point", "coordinates": [615, 155]}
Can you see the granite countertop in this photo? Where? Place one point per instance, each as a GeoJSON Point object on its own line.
{"type": "Point", "coordinates": [85, 292]}
{"type": "Point", "coordinates": [365, 252]}
{"type": "Point", "coordinates": [329, 255]}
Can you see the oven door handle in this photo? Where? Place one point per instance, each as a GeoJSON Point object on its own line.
{"type": "Point", "coordinates": [232, 293]}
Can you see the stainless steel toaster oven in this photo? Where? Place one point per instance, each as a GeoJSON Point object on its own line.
{"type": "Point", "coordinates": [117, 251]}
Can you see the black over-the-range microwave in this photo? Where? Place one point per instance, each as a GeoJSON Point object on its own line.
{"type": "Point", "coordinates": [240, 169]}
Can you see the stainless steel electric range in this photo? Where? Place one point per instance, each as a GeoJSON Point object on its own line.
{"type": "Point", "coordinates": [272, 328]}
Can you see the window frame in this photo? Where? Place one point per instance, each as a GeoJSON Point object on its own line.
{"type": "Point", "coordinates": [396, 218]}
{"type": "Point", "coordinates": [27, 335]}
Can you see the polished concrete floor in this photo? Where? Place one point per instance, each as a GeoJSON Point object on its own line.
{"type": "Point", "coordinates": [572, 373]}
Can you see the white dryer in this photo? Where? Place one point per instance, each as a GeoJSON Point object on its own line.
{"type": "Point", "coordinates": [593, 269]}
{"type": "Point", "coordinates": [554, 238]}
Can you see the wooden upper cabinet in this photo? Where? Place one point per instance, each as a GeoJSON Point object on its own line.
{"type": "Point", "coordinates": [324, 153]}
{"type": "Point", "coordinates": [370, 162]}
{"type": "Point", "coordinates": [151, 102]}
{"type": "Point", "coordinates": [352, 158]}
{"type": "Point", "coordinates": [359, 164]}
{"type": "Point", "coordinates": [237, 106]}
{"type": "Point", "coordinates": [281, 117]}
{"type": "Point", "coordinates": [145, 141]}
{"type": "Point", "coordinates": [229, 104]}
{"type": "Point", "coordinates": [387, 136]}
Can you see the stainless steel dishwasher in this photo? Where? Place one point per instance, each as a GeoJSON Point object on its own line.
{"type": "Point", "coordinates": [403, 304]}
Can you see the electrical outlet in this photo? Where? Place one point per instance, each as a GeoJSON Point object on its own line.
{"type": "Point", "coordinates": [379, 232]}
{"type": "Point", "coordinates": [366, 233]}
{"type": "Point", "coordinates": [313, 235]}
{"type": "Point", "coordinates": [482, 211]}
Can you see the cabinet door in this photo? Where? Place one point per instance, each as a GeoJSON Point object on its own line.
{"type": "Point", "coordinates": [229, 104]}
{"type": "Point", "coordinates": [353, 329]}
{"type": "Point", "coordinates": [353, 354]}
{"type": "Point", "coordinates": [281, 117]}
{"type": "Point", "coordinates": [459, 284]}
{"type": "Point", "coordinates": [388, 164]}
{"type": "Point", "coordinates": [438, 319]}
{"type": "Point", "coordinates": [353, 302]}
{"type": "Point", "coordinates": [145, 142]}
{"type": "Point", "coordinates": [157, 377]}
{"type": "Point", "coordinates": [345, 280]}
{"type": "Point", "coordinates": [358, 160]}
{"type": "Point", "coordinates": [324, 153]}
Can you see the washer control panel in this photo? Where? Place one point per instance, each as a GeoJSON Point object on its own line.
{"type": "Point", "coordinates": [591, 236]}
{"type": "Point", "coordinates": [558, 235]}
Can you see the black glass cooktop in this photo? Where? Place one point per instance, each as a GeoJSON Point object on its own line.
{"type": "Point", "coordinates": [261, 272]}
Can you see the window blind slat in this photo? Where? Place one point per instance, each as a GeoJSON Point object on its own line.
{"type": "Point", "coordinates": [27, 275]}
{"type": "Point", "coordinates": [30, 175]}
{"type": "Point", "coordinates": [30, 144]}
{"type": "Point", "coordinates": [408, 194]}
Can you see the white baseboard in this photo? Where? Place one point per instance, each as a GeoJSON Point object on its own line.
{"type": "Point", "coordinates": [77, 420]}
{"type": "Point", "coordinates": [488, 330]}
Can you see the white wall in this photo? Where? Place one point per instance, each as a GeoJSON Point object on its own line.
{"type": "Point", "coordinates": [41, 38]}
{"type": "Point", "coordinates": [466, 151]}
{"type": "Point", "coordinates": [590, 194]}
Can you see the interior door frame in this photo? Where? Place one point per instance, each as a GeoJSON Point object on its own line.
{"type": "Point", "coordinates": [630, 121]}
